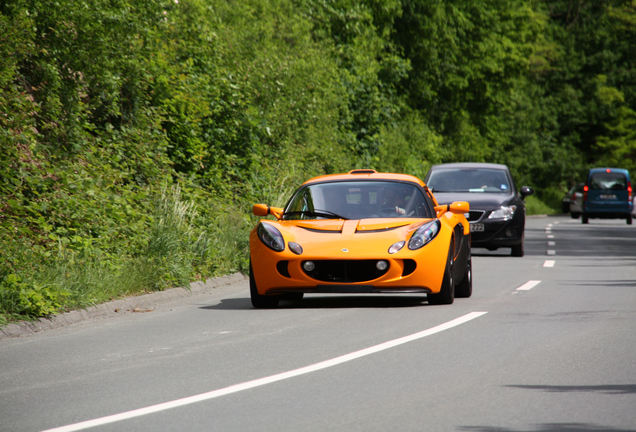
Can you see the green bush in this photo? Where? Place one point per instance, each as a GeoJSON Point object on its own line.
{"type": "Point", "coordinates": [18, 298]}
{"type": "Point", "coordinates": [535, 206]}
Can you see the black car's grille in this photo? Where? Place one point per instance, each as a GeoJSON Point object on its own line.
{"type": "Point", "coordinates": [345, 271]}
{"type": "Point", "coordinates": [475, 215]}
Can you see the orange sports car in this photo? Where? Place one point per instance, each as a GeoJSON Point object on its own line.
{"type": "Point", "coordinates": [361, 232]}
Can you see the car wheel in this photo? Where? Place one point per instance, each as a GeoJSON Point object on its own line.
{"type": "Point", "coordinates": [584, 219]}
{"type": "Point", "coordinates": [465, 287]}
{"type": "Point", "coordinates": [575, 215]}
{"type": "Point", "coordinates": [629, 219]}
{"type": "Point", "coordinates": [260, 301]}
{"type": "Point", "coordinates": [517, 250]}
{"type": "Point", "coordinates": [446, 294]}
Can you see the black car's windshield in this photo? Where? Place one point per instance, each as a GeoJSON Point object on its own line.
{"type": "Point", "coordinates": [469, 180]}
{"type": "Point", "coordinates": [359, 200]}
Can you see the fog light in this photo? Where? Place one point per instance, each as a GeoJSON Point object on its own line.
{"type": "Point", "coordinates": [382, 265]}
{"type": "Point", "coordinates": [309, 266]}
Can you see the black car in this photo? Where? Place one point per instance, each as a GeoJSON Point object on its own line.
{"type": "Point", "coordinates": [497, 211]}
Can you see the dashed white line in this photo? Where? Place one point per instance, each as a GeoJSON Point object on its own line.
{"type": "Point", "coordinates": [549, 263]}
{"type": "Point", "coordinates": [268, 380]}
{"type": "Point", "coordinates": [551, 243]}
{"type": "Point", "coordinates": [550, 252]}
{"type": "Point", "coordinates": [528, 285]}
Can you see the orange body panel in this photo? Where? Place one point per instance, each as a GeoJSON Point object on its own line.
{"type": "Point", "coordinates": [420, 270]}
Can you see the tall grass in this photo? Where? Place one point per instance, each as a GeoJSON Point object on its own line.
{"type": "Point", "coordinates": [77, 277]}
{"type": "Point", "coordinates": [535, 206]}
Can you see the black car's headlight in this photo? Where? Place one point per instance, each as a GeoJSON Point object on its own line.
{"type": "Point", "coordinates": [270, 235]}
{"type": "Point", "coordinates": [503, 212]}
{"type": "Point", "coordinates": [424, 234]}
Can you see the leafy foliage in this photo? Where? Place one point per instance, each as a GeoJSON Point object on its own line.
{"type": "Point", "coordinates": [134, 136]}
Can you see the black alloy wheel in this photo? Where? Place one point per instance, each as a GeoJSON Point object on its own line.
{"type": "Point", "coordinates": [446, 294]}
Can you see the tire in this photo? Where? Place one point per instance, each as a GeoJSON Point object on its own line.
{"type": "Point", "coordinates": [629, 219]}
{"type": "Point", "coordinates": [446, 294]}
{"type": "Point", "coordinates": [465, 288]}
{"type": "Point", "coordinates": [260, 301]}
{"type": "Point", "coordinates": [517, 250]}
{"type": "Point", "coordinates": [584, 219]}
{"type": "Point", "coordinates": [575, 215]}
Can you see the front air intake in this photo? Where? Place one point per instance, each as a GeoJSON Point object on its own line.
{"type": "Point", "coordinates": [409, 267]}
{"type": "Point", "coordinates": [344, 271]}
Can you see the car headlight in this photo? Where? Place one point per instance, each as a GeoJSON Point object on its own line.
{"type": "Point", "coordinates": [424, 234]}
{"type": "Point", "coordinates": [503, 212]}
{"type": "Point", "coordinates": [272, 238]}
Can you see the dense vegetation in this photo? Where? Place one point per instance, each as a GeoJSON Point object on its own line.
{"type": "Point", "coordinates": [135, 135]}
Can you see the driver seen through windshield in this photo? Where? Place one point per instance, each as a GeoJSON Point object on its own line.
{"type": "Point", "coordinates": [359, 200]}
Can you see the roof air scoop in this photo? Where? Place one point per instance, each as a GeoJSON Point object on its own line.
{"type": "Point", "coordinates": [363, 171]}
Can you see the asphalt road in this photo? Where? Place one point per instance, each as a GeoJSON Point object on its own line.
{"type": "Point", "coordinates": [546, 343]}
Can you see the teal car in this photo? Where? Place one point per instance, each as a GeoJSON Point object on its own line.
{"type": "Point", "coordinates": [607, 193]}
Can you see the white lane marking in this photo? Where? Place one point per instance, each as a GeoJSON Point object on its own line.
{"type": "Point", "coordinates": [550, 252]}
{"type": "Point", "coordinates": [548, 263]}
{"type": "Point", "coordinates": [550, 236]}
{"type": "Point", "coordinates": [551, 243]}
{"type": "Point", "coordinates": [268, 380]}
{"type": "Point", "coordinates": [529, 285]}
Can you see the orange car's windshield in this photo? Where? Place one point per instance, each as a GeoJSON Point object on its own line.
{"type": "Point", "coordinates": [359, 200]}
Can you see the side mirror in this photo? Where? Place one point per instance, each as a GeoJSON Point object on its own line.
{"type": "Point", "coordinates": [460, 207]}
{"type": "Point", "coordinates": [526, 191]}
{"type": "Point", "coordinates": [260, 209]}
{"type": "Point", "coordinates": [264, 210]}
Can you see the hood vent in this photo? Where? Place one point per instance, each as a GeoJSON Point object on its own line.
{"type": "Point", "coordinates": [323, 231]}
{"type": "Point", "coordinates": [377, 230]}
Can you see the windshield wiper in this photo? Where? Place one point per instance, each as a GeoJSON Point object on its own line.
{"type": "Point", "coordinates": [318, 213]}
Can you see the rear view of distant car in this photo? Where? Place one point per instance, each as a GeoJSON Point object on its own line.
{"type": "Point", "coordinates": [608, 193]}
{"type": "Point", "coordinates": [575, 203]}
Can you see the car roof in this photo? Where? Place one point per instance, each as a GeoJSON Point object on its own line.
{"type": "Point", "coordinates": [365, 174]}
{"type": "Point", "coordinates": [470, 165]}
{"type": "Point", "coordinates": [620, 170]}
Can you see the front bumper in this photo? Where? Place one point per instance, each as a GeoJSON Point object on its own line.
{"type": "Point", "coordinates": [498, 233]}
{"type": "Point", "coordinates": [408, 271]}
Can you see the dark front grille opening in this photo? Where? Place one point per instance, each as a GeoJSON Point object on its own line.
{"type": "Point", "coordinates": [345, 271]}
{"type": "Point", "coordinates": [475, 215]}
{"type": "Point", "coordinates": [283, 268]}
{"type": "Point", "coordinates": [409, 267]}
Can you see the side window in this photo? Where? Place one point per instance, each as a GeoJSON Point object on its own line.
{"type": "Point", "coordinates": [301, 202]}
